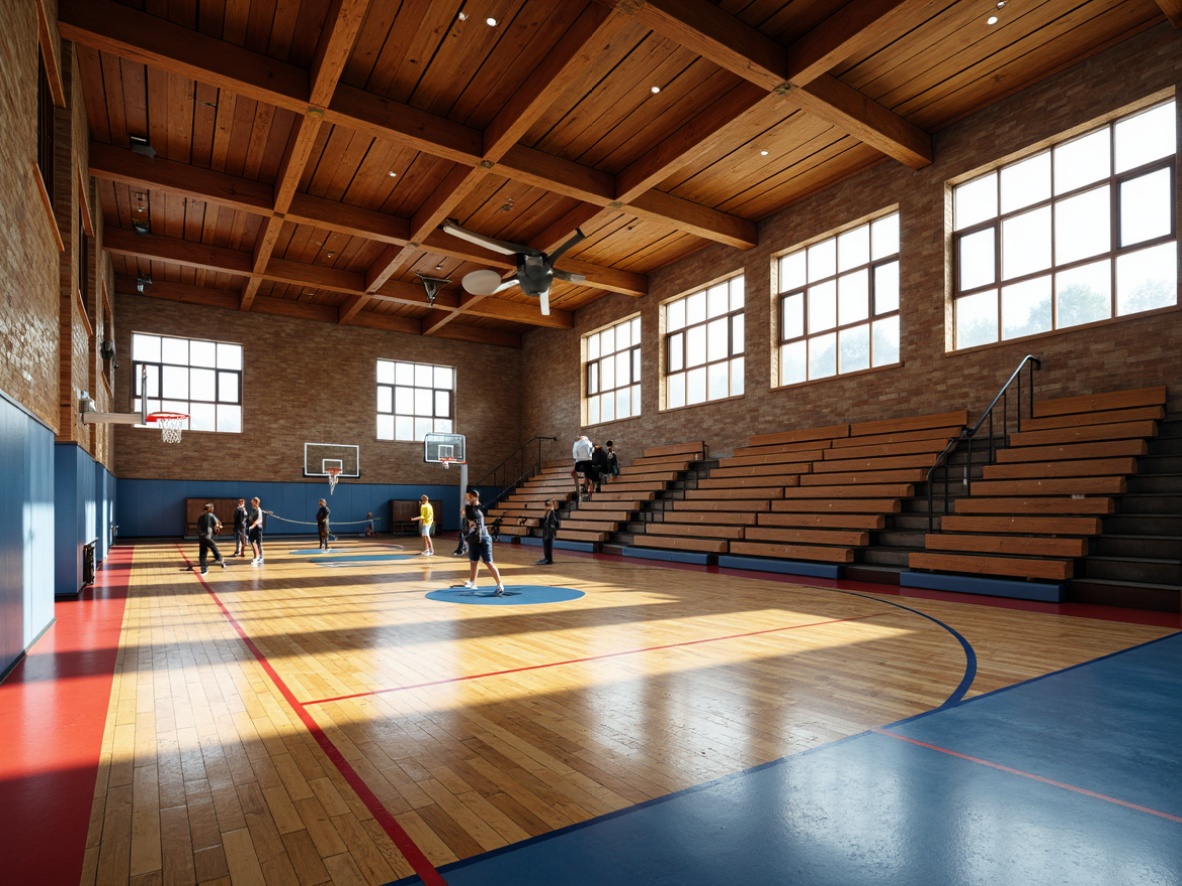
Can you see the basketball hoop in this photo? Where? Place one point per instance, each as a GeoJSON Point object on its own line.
{"type": "Point", "coordinates": [334, 474]}
{"type": "Point", "coordinates": [171, 424]}
{"type": "Point", "coordinates": [446, 462]}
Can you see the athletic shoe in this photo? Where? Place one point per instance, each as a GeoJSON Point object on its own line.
{"type": "Point", "coordinates": [500, 590]}
{"type": "Point", "coordinates": [470, 585]}
{"type": "Point", "coordinates": [542, 563]}
{"type": "Point", "coordinates": [205, 572]}
{"type": "Point", "coordinates": [222, 563]}
{"type": "Point", "coordinates": [255, 562]}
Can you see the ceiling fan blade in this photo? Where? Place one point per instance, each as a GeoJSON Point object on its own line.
{"type": "Point", "coordinates": [502, 246]}
{"type": "Point", "coordinates": [544, 301]}
{"type": "Point", "coordinates": [484, 282]}
{"type": "Point", "coordinates": [558, 253]}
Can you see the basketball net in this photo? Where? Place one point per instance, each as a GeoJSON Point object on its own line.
{"type": "Point", "coordinates": [171, 425]}
{"type": "Point", "coordinates": [446, 462]}
{"type": "Point", "coordinates": [334, 474]}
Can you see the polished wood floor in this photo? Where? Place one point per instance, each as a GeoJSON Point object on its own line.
{"type": "Point", "coordinates": [301, 723]}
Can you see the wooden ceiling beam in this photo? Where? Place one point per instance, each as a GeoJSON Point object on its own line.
{"type": "Point", "coordinates": [1172, 10]}
{"type": "Point", "coordinates": [593, 28]}
{"type": "Point", "coordinates": [503, 309]}
{"type": "Point", "coordinates": [714, 34]}
{"type": "Point", "coordinates": [479, 336]}
{"type": "Point", "coordinates": [702, 221]}
{"type": "Point", "coordinates": [110, 163]}
{"type": "Point", "coordinates": [172, 250]}
{"type": "Point", "coordinates": [696, 137]}
{"type": "Point", "coordinates": [128, 33]}
{"type": "Point", "coordinates": [848, 31]}
{"type": "Point", "coordinates": [342, 24]}
{"type": "Point", "coordinates": [389, 120]}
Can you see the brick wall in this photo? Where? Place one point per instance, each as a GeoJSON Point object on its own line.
{"type": "Point", "coordinates": [307, 381]}
{"type": "Point", "coordinates": [1110, 356]}
{"type": "Point", "coordinates": [28, 250]}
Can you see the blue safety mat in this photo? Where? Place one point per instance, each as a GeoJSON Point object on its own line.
{"type": "Point", "coordinates": [1073, 779]}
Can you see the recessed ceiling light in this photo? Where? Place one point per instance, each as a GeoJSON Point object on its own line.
{"type": "Point", "coordinates": [992, 20]}
{"type": "Point", "coordinates": [392, 174]}
{"type": "Point", "coordinates": [1001, 4]}
{"type": "Point", "coordinates": [655, 90]}
{"type": "Point", "coordinates": [439, 267]}
{"type": "Point", "coordinates": [763, 153]}
{"type": "Point", "coordinates": [491, 21]}
{"type": "Point", "coordinates": [463, 16]}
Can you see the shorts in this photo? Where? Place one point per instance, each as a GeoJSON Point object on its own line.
{"type": "Point", "coordinates": [425, 528]}
{"type": "Point", "coordinates": [480, 549]}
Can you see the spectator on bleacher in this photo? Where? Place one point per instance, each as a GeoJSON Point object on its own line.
{"type": "Point", "coordinates": [613, 462]}
{"type": "Point", "coordinates": [581, 453]}
{"type": "Point", "coordinates": [599, 466]}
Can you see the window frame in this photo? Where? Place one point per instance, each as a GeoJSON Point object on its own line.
{"type": "Point", "coordinates": [870, 268]}
{"type": "Point", "coordinates": [1054, 269]}
{"type": "Point", "coordinates": [224, 407]}
{"type": "Point", "coordinates": [676, 342]}
{"type": "Point", "coordinates": [389, 390]}
{"type": "Point", "coordinates": [594, 395]}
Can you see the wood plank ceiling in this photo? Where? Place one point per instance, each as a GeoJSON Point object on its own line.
{"type": "Point", "coordinates": [298, 157]}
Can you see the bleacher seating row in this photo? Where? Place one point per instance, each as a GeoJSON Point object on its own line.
{"type": "Point", "coordinates": [819, 495]}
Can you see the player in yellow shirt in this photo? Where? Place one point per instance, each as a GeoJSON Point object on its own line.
{"type": "Point", "coordinates": [426, 520]}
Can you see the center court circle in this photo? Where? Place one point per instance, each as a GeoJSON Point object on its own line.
{"type": "Point", "coordinates": [515, 595]}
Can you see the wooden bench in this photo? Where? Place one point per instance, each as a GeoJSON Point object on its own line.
{"type": "Point", "coordinates": [781, 551]}
{"type": "Point", "coordinates": [703, 530]}
{"type": "Point", "coordinates": [1022, 567]}
{"type": "Point", "coordinates": [672, 543]}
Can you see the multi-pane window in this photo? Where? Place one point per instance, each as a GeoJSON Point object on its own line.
{"type": "Point", "coordinates": [1076, 233]}
{"type": "Point", "coordinates": [704, 344]}
{"type": "Point", "coordinates": [839, 303]}
{"type": "Point", "coordinates": [415, 399]}
{"type": "Point", "coordinates": [189, 375]}
{"type": "Point", "coordinates": [611, 372]}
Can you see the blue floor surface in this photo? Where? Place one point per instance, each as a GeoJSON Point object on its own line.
{"type": "Point", "coordinates": [1073, 779]}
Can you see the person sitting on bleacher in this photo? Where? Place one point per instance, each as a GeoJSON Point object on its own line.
{"type": "Point", "coordinates": [599, 466]}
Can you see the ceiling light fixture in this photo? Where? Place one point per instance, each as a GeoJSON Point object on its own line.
{"type": "Point", "coordinates": [763, 153]}
{"type": "Point", "coordinates": [992, 20]}
{"type": "Point", "coordinates": [655, 90]}
{"type": "Point", "coordinates": [141, 145]}
{"type": "Point", "coordinates": [141, 281]}
{"type": "Point", "coordinates": [463, 16]}
{"type": "Point", "coordinates": [392, 174]}
{"type": "Point", "coordinates": [491, 21]}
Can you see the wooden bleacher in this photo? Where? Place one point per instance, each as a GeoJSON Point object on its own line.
{"type": "Point", "coordinates": [1033, 511]}
{"type": "Point", "coordinates": [810, 495]}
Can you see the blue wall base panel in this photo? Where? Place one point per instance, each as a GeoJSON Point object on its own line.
{"type": "Point", "coordinates": [783, 567]}
{"type": "Point", "coordinates": [668, 556]}
{"type": "Point", "coordinates": [1072, 779]}
{"type": "Point", "coordinates": [1045, 592]}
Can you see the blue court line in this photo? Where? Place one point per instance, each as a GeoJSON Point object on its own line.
{"type": "Point", "coordinates": [970, 655]}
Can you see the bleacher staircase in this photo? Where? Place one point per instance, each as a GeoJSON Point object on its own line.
{"type": "Point", "coordinates": [1032, 514]}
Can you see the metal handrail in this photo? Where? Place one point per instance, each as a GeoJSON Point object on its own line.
{"type": "Point", "coordinates": [967, 434]}
{"type": "Point", "coordinates": [513, 470]}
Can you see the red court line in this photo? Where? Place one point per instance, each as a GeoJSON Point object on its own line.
{"type": "Point", "coordinates": [406, 845]}
{"type": "Point", "coordinates": [1048, 781]}
{"type": "Point", "coordinates": [606, 655]}
{"type": "Point", "coordinates": [53, 707]}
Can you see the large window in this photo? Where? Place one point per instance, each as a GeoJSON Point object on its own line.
{"type": "Point", "coordinates": [189, 375]}
{"type": "Point", "coordinates": [611, 372]}
{"type": "Point", "coordinates": [704, 344]}
{"type": "Point", "coordinates": [839, 303]}
{"type": "Point", "coordinates": [415, 399]}
{"type": "Point", "coordinates": [1076, 233]}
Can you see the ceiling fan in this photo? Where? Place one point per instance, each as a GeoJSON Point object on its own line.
{"type": "Point", "coordinates": [535, 269]}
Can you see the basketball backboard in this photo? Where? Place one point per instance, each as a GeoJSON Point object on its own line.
{"type": "Point", "coordinates": [437, 446]}
{"type": "Point", "coordinates": [320, 457]}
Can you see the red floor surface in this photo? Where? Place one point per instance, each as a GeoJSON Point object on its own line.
{"type": "Point", "coordinates": [53, 707]}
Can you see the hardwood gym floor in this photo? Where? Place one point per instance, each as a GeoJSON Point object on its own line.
{"type": "Point", "coordinates": [320, 719]}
